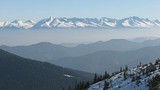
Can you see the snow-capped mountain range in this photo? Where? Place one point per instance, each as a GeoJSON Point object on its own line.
{"type": "Point", "coordinates": [17, 24]}
{"type": "Point", "coordinates": [53, 22]}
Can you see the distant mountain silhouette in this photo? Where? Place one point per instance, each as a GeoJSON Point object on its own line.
{"type": "Point", "coordinates": [17, 73]}
{"type": "Point", "coordinates": [49, 52]}
{"type": "Point", "coordinates": [110, 60]}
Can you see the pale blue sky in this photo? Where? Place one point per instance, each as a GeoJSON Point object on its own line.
{"type": "Point", "coordinates": [38, 9]}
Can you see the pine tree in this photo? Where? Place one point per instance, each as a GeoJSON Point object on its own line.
{"type": "Point", "coordinates": [124, 75]}
{"type": "Point", "coordinates": [140, 64]}
{"type": "Point", "coordinates": [106, 75]}
{"type": "Point", "coordinates": [106, 85]}
{"type": "Point", "coordinates": [95, 78]}
{"type": "Point", "coordinates": [121, 69]}
{"type": "Point", "coordinates": [126, 68]}
{"type": "Point", "coordinates": [154, 83]}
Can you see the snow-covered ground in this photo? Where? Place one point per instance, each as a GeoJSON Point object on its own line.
{"type": "Point", "coordinates": [117, 82]}
{"type": "Point", "coordinates": [66, 75]}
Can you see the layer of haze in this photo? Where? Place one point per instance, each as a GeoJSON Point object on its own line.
{"type": "Point", "coordinates": [27, 37]}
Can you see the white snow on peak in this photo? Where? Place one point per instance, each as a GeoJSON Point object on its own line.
{"type": "Point", "coordinates": [2, 24]}
{"type": "Point", "coordinates": [80, 24]}
{"type": "Point", "coordinates": [108, 22]}
{"type": "Point", "coordinates": [17, 24]}
{"type": "Point", "coordinates": [126, 23]}
{"type": "Point", "coordinates": [54, 22]}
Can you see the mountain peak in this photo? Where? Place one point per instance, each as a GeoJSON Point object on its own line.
{"type": "Point", "coordinates": [51, 18]}
{"type": "Point", "coordinates": [16, 21]}
{"type": "Point", "coordinates": [104, 22]}
{"type": "Point", "coordinates": [30, 21]}
{"type": "Point", "coordinates": [44, 44]}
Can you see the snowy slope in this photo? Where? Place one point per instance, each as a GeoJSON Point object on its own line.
{"type": "Point", "coordinates": [117, 82]}
{"type": "Point", "coordinates": [17, 24]}
{"type": "Point", "coordinates": [104, 22]}
{"type": "Point", "coordinates": [137, 22]}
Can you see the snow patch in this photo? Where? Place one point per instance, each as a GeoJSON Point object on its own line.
{"type": "Point", "coordinates": [66, 75]}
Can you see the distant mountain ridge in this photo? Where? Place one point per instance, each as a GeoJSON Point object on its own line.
{"type": "Point", "coordinates": [49, 52]}
{"type": "Point", "coordinates": [90, 57]}
{"type": "Point", "coordinates": [63, 22]}
{"type": "Point", "coordinates": [18, 73]}
{"type": "Point", "coordinates": [17, 24]}
{"type": "Point", "coordinates": [105, 60]}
